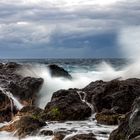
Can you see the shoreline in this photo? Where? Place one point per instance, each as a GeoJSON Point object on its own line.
{"type": "Point", "coordinates": [115, 103]}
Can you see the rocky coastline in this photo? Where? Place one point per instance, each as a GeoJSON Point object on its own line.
{"type": "Point", "coordinates": [116, 102]}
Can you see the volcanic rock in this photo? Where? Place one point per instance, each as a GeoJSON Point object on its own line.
{"type": "Point", "coordinates": [116, 95]}
{"type": "Point", "coordinates": [129, 128]}
{"type": "Point", "coordinates": [7, 108]}
{"type": "Point", "coordinates": [46, 132]}
{"type": "Point", "coordinates": [108, 117]}
{"type": "Point", "coordinates": [32, 111]}
{"type": "Point", "coordinates": [66, 105]}
{"type": "Point", "coordinates": [57, 71]}
{"type": "Point", "coordinates": [25, 89]}
{"type": "Point", "coordinates": [24, 126]}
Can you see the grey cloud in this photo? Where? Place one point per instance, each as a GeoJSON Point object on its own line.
{"type": "Point", "coordinates": [36, 26]}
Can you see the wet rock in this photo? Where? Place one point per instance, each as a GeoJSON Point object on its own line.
{"type": "Point", "coordinates": [28, 126]}
{"type": "Point", "coordinates": [129, 128]}
{"type": "Point", "coordinates": [7, 108]}
{"type": "Point", "coordinates": [32, 111]}
{"type": "Point", "coordinates": [8, 128]}
{"type": "Point", "coordinates": [57, 71]}
{"type": "Point", "coordinates": [136, 138]}
{"type": "Point", "coordinates": [116, 95]}
{"type": "Point", "coordinates": [59, 135]}
{"type": "Point", "coordinates": [12, 65]}
{"type": "Point", "coordinates": [135, 134]}
{"type": "Point", "coordinates": [66, 105]}
{"type": "Point", "coordinates": [107, 117]}
{"type": "Point", "coordinates": [46, 132]}
{"type": "Point", "coordinates": [25, 89]}
{"type": "Point", "coordinates": [89, 136]}
{"type": "Point", "coordinates": [25, 126]}
{"type": "Point", "coordinates": [1, 65]}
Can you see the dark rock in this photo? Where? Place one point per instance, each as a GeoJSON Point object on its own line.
{"type": "Point", "coordinates": [60, 135]}
{"type": "Point", "coordinates": [129, 128]}
{"type": "Point", "coordinates": [30, 111]}
{"type": "Point", "coordinates": [136, 138]}
{"type": "Point", "coordinates": [66, 105]}
{"type": "Point", "coordinates": [46, 133]}
{"type": "Point", "coordinates": [28, 126]}
{"type": "Point", "coordinates": [1, 65]}
{"type": "Point", "coordinates": [89, 136]}
{"type": "Point", "coordinates": [25, 89]}
{"type": "Point", "coordinates": [25, 126]}
{"type": "Point", "coordinates": [135, 134]}
{"type": "Point", "coordinates": [8, 128]}
{"type": "Point", "coordinates": [57, 71]}
{"type": "Point", "coordinates": [121, 132]}
{"type": "Point", "coordinates": [107, 117]}
{"type": "Point", "coordinates": [12, 65]}
{"type": "Point", "coordinates": [94, 89]}
{"type": "Point", "coordinates": [7, 108]}
{"type": "Point", "coordinates": [114, 95]}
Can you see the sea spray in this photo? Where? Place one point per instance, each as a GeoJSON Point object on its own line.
{"type": "Point", "coordinates": [102, 71]}
{"type": "Point", "coordinates": [129, 42]}
{"type": "Point", "coordinates": [52, 84]}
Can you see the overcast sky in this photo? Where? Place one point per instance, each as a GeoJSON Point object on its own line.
{"type": "Point", "coordinates": [65, 28]}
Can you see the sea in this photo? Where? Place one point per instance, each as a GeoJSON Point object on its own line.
{"type": "Point", "coordinates": [83, 72]}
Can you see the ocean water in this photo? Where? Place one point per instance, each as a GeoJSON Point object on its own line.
{"type": "Point", "coordinates": [83, 72]}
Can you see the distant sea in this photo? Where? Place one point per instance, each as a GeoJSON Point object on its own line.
{"type": "Point", "coordinates": [73, 64]}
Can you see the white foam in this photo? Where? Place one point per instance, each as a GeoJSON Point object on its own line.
{"type": "Point", "coordinates": [103, 71]}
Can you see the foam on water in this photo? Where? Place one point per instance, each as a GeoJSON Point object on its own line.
{"type": "Point", "coordinates": [81, 127]}
{"type": "Point", "coordinates": [72, 127]}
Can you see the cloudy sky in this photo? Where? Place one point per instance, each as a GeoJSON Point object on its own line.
{"type": "Point", "coordinates": [65, 28]}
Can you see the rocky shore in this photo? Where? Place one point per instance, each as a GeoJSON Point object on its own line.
{"type": "Point", "coordinates": [116, 102]}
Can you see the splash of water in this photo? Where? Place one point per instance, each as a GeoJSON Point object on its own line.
{"type": "Point", "coordinates": [130, 47]}
{"type": "Point", "coordinates": [80, 80]}
{"type": "Point", "coordinates": [83, 99]}
{"type": "Point", "coordinates": [103, 71]}
{"type": "Point", "coordinates": [13, 99]}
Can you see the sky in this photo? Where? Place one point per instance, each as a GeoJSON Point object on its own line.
{"type": "Point", "coordinates": [65, 28]}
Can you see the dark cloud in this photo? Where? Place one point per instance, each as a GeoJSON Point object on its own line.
{"type": "Point", "coordinates": [46, 29]}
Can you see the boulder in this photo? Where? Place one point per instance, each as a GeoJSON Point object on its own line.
{"type": "Point", "coordinates": [129, 128]}
{"type": "Point", "coordinates": [57, 71]}
{"type": "Point", "coordinates": [116, 95]}
{"type": "Point", "coordinates": [25, 89]}
{"type": "Point", "coordinates": [11, 65]}
{"type": "Point", "coordinates": [28, 126]}
{"type": "Point", "coordinates": [7, 108]}
{"type": "Point", "coordinates": [108, 117]}
{"type": "Point", "coordinates": [25, 126]}
{"type": "Point", "coordinates": [66, 105]}
{"type": "Point", "coordinates": [32, 111]}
